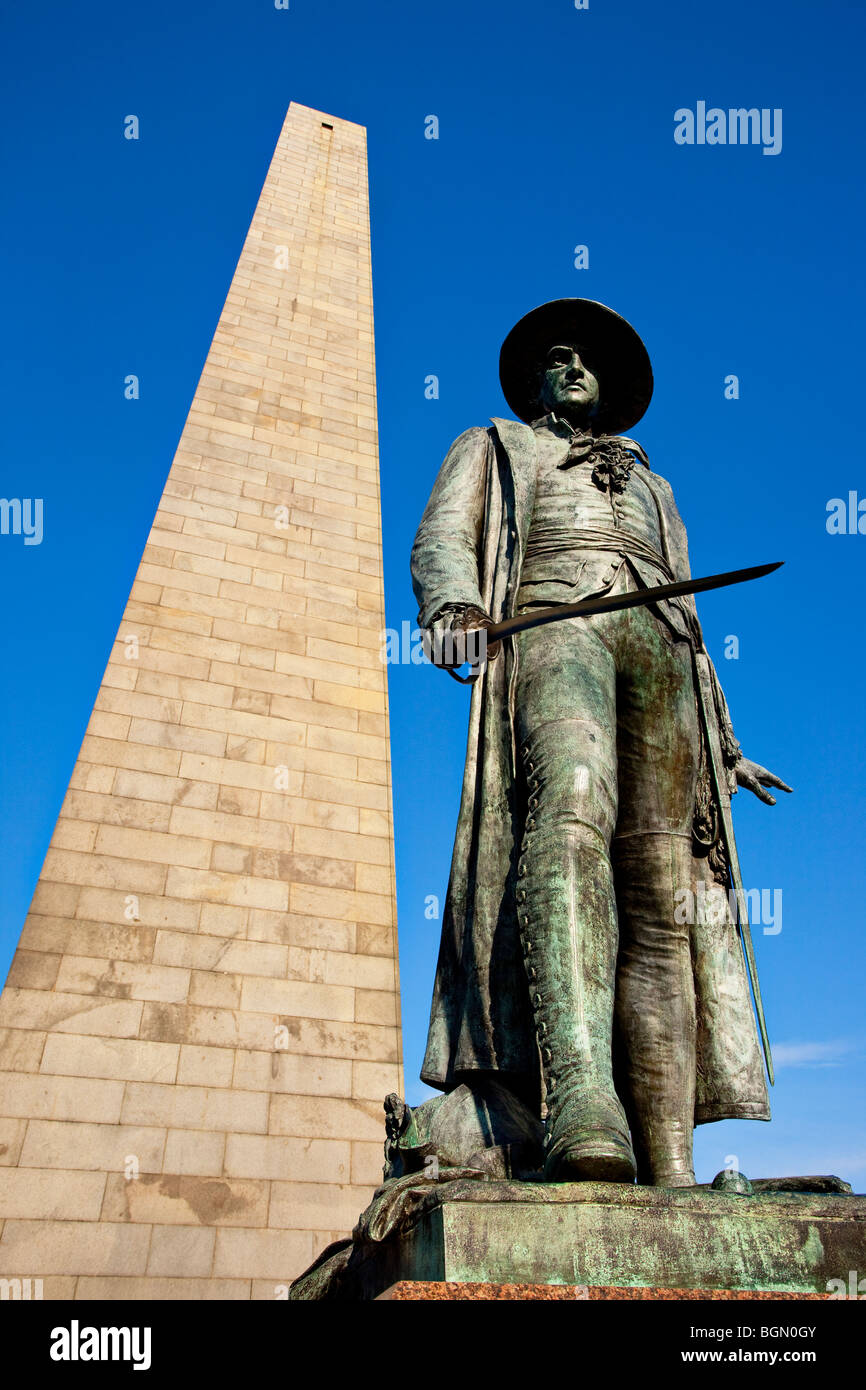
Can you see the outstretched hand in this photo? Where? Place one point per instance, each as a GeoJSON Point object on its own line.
{"type": "Point", "coordinates": [755, 778]}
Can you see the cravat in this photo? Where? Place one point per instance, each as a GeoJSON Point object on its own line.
{"type": "Point", "coordinates": [612, 462]}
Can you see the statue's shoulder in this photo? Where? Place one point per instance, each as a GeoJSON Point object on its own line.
{"type": "Point", "coordinates": [513, 434]}
{"type": "Point", "coordinates": [471, 440]}
{"type": "Point", "coordinates": [468, 452]}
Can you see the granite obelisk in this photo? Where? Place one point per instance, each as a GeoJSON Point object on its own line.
{"type": "Point", "coordinates": [202, 1016]}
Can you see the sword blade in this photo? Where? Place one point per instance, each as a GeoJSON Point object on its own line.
{"type": "Point", "coordinates": [610, 603]}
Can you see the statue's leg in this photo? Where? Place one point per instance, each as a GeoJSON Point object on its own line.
{"type": "Point", "coordinates": [652, 853]}
{"type": "Point", "coordinates": [566, 724]}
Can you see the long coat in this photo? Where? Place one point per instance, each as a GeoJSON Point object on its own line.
{"type": "Point", "coordinates": [469, 549]}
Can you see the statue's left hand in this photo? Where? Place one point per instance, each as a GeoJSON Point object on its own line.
{"type": "Point", "coordinates": [756, 778]}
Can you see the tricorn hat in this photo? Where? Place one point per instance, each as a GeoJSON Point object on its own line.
{"type": "Point", "coordinates": [612, 350]}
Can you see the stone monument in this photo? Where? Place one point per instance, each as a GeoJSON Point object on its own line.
{"type": "Point", "coordinates": [203, 1014]}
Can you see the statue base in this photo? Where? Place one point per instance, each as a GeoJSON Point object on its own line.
{"type": "Point", "coordinates": [409, 1292]}
{"type": "Point", "coordinates": [468, 1229]}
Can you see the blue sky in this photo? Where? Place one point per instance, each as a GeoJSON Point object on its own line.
{"type": "Point", "coordinates": [556, 129]}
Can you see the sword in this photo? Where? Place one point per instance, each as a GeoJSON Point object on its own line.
{"type": "Point", "coordinates": [606, 603]}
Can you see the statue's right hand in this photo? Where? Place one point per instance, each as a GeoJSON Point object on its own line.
{"type": "Point", "coordinates": [452, 638]}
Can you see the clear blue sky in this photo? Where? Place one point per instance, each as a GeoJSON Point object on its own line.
{"type": "Point", "coordinates": [556, 129]}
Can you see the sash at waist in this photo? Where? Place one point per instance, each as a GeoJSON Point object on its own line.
{"type": "Point", "coordinates": [546, 541]}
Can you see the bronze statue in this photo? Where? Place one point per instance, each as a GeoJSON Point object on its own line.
{"type": "Point", "coordinates": [599, 766]}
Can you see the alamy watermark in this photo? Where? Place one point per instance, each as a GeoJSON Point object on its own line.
{"type": "Point", "coordinates": [20, 1290]}
{"type": "Point", "coordinates": [417, 646]}
{"type": "Point", "coordinates": [736, 126]}
{"type": "Point", "coordinates": [854, 1288]}
{"type": "Point", "coordinates": [710, 905]}
{"type": "Point", "coordinates": [22, 516]}
{"type": "Point", "coordinates": [77, 1343]}
{"type": "Point", "coordinates": [846, 516]}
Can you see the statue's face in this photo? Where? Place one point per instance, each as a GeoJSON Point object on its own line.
{"type": "Point", "coordinates": [568, 387]}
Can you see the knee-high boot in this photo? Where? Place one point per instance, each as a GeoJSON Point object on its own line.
{"type": "Point", "coordinates": [568, 925]}
{"type": "Point", "coordinates": [655, 1006]}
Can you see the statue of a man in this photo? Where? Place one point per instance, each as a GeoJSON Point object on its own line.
{"type": "Point", "coordinates": [576, 968]}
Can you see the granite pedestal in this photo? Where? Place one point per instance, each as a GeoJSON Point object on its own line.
{"type": "Point", "coordinates": [599, 1234]}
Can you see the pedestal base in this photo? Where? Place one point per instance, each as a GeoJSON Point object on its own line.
{"type": "Point", "coordinates": [409, 1292]}
{"type": "Point", "coordinates": [597, 1235]}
